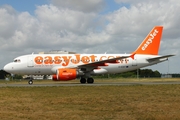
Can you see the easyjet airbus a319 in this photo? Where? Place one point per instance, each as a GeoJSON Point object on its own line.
{"type": "Point", "coordinates": [64, 67]}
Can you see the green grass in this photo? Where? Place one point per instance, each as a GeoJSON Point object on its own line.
{"type": "Point", "coordinates": [138, 102]}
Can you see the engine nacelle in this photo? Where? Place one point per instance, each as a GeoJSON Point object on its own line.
{"type": "Point", "coordinates": [64, 74]}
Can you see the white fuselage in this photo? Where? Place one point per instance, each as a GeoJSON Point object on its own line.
{"type": "Point", "coordinates": [47, 64]}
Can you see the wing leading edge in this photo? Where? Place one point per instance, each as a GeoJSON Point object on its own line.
{"type": "Point", "coordinates": [104, 62]}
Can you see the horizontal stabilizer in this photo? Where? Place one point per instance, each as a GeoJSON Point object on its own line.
{"type": "Point", "coordinates": [158, 58]}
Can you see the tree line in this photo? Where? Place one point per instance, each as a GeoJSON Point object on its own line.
{"type": "Point", "coordinates": [4, 75]}
{"type": "Point", "coordinates": [142, 73]}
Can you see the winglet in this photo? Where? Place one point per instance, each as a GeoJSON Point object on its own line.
{"type": "Point", "coordinates": [151, 43]}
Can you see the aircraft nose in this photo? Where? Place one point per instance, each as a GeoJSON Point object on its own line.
{"type": "Point", "coordinates": [8, 68]}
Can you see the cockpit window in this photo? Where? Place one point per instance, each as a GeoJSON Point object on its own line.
{"type": "Point", "coordinates": [17, 60]}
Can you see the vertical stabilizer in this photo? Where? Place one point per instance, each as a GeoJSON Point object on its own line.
{"type": "Point", "coordinates": [151, 43]}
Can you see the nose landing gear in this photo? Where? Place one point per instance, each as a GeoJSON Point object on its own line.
{"type": "Point", "coordinates": [30, 82]}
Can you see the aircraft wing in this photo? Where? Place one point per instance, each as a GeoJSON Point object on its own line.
{"type": "Point", "coordinates": [159, 58]}
{"type": "Point", "coordinates": [104, 62]}
{"type": "Point", "coordinates": [95, 64]}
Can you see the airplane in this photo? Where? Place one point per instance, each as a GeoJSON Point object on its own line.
{"type": "Point", "coordinates": [65, 67]}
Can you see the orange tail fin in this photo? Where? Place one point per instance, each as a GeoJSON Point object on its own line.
{"type": "Point", "coordinates": [151, 43]}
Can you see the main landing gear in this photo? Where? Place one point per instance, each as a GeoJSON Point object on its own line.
{"type": "Point", "coordinates": [89, 80]}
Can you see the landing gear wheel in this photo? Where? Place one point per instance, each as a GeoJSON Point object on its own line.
{"type": "Point", "coordinates": [83, 80]}
{"type": "Point", "coordinates": [30, 82]}
{"type": "Point", "coordinates": [90, 80]}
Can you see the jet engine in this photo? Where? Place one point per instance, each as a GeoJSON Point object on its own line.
{"type": "Point", "coordinates": [64, 74]}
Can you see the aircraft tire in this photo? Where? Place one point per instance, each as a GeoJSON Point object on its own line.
{"type": "Point", "coordinates": [90, 80]}
{"type": "Point", "coordinates": [30, 82]}
{"type": "Point", "coordinates": [83, 80]}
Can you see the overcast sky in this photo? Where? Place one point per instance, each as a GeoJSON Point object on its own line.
{"type": "Point", "coordinates": [88, 26]}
